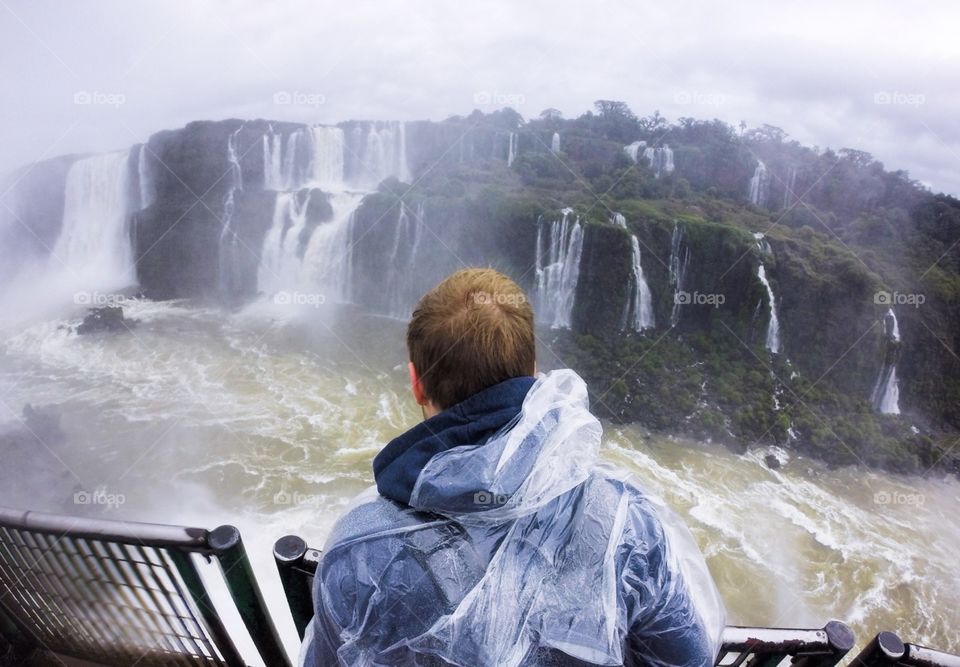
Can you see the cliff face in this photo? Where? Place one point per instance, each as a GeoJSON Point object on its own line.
{"type": "Point", "coordinates": [724, 247]}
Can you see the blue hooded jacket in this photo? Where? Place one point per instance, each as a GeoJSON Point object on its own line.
{"type": "Point", "coordinates": [494, 537]}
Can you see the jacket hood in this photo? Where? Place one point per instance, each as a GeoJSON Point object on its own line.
{"type": "Point", "coordinates": [501, 454]}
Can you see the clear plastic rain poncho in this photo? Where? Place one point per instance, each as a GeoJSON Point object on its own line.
{"type": "Point", "coordinates": [518, 550]}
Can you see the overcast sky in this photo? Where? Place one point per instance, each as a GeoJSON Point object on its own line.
{"type": "Point", "coordinates": [104, 74]}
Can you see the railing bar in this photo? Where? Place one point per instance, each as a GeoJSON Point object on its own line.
{"type": "Point", "coordinates": [57, 626]}
{"type": "Point", "coordinates": [222, 648]}
{"type": "Point", "coordinates": [158, 603]}
{"type": "Point", "coordinates": [70, 583]}
{"type": "Point", "coordinates": [93, 569]}
{"type": "Point", "coordinates": [148, 619]}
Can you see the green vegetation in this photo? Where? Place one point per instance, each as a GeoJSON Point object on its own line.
{"type": "Point", "coordinates": [840, 228]}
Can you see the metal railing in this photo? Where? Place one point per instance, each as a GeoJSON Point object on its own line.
{"type": "Point", "coordinates": [119, 593]}
{"type": "Point", "coordinates": [754, 647]}
{"type": "Point", "coordinates": [887, 649]}
{"type": "Point", "coordinates": [297, 563]}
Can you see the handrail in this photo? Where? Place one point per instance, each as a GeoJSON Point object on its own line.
{"type": "Point", "coordinates": [887, 650]}
{"type": "Point", "coordinates": [108, 530]}
{"type": "Point", "coordinates": [769, 646]}
{"type": "Point", "coordinates": [131, 584]}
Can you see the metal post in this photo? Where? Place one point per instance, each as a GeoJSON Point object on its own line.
{"type": "Point", "coordinates": [228, 547]}
{"type": "Point", "coordinates": [288, 553]}
{"type": "Point", "coordinates": [191, 578]}
{"type": "Point", "coordinates": [885, 649]}
{"type": "Point", "coordinates": [839, 640]}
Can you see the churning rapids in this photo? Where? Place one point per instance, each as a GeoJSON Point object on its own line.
{"type": "Point", "coordinates": [270, 421]}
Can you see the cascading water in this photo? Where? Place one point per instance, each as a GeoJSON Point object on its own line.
{"type": "Point", "coordinates": [289, 259]}
{"type": "Point", "coordinates": [328, 259]}
{"type": "Point", "coordinates": [773, 326]}
{"type": "Point", "coordinates": [789, 191]}
{"type": "Point", "coordinates": [280, 166]}
{"type": "Point", "coordinates": [679, 259]}
{"type": "Point", "coordinates": [381, 152]}
{"type": "Point", "coordinates": [558, 269]}
{"type": "Point", "coordinates": [633, 150]}
{"type": "Point", "coordinates": [327, 158]}
{"type": "Point", "coordinates": [401, 290]}
{"type": "Point", "coordinates": [886, 391]}
{"type": "Point", "coordinates": [757, 192]}
{"type": "Point", "coordinates": [283, 246]}
{"type": "Point", "coordinates": [229, 242]}
{"type": "Point", "coordinates": [94, 249]}
{"type": "Point", "coordinates": [659, 158]}
{"type": "Point", "coordinates": [762, 244]}
{"type": "Point", "coordinates": [319, 262]}
{"type": "Point", "coordinates": [146, 185]}
{"type": "Point", "coordinates": [555, 142]}
{"type": "Point", "coordinates": [638, 311]}
{"type": "Point", "coordinates": [512, 149]}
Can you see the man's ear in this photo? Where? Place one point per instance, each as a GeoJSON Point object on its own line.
{"type": "Point", "coordinates": [416, 385]}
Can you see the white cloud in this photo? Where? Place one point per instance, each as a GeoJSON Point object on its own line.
{"type": "Point", "coordinates": [812, 68]}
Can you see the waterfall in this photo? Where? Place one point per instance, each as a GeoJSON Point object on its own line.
{"type": "Point", "coordinates": [633, 150]}
{"type": "Point", "coordinates": [402, 268]}
{"type": "Point", "coordinates": [555, 142]}
{"type": "Point", "coordinates": [328, 258]}
{"type": "Point", "coordinates": [293, 258]}
{"type": "Point", "coordinates": [283, 245]}
{"type": "Point", "coordinates": [229, 251]}
{"type": "Point", "coordinates": [666, 160]}
{"type": "Point", "coordinates": [679, 259]}
{"type": "Point", "coordinates": [773, 327]}
{"type": "Point", "coordinates": [758, 185]}
{"type": "Point", "coordinates": [289, 163]}
{"type": "Point", "coordinates": [789, 191]}
{"type": "Point", "coordinates": [512, 149]}
{"type": "Point", "coordinates": [327, 158]}
{"type": "Point", "coordinates": [380, 150]}
{"type": "Point", "coordinates": [558, 269]}
{"type": "Point", "coordinates": [762, 244]}
{"type": "Point", "coordinates": [638, 311]}
{"type": "Point", "coordinates": [273, 177]}
{"type": "Point", "coordinates": [146, 185]}
{"type": "Point", "coordinates": [886, 390]}
{"type": "Point", "coordinates": [317, 260]}
{"type": "Point", "coordinates": [659, 158]}
{"type": "Point", "coordinates": [94, 245]}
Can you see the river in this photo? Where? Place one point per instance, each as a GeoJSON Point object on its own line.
{"type": "Point", "coordinates": [268, 419]}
